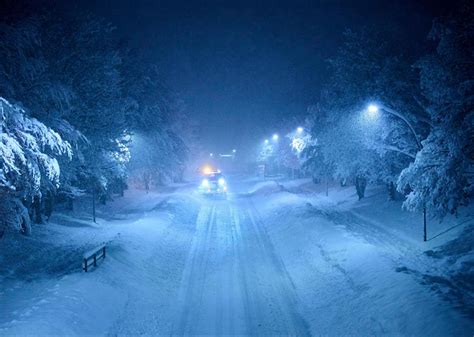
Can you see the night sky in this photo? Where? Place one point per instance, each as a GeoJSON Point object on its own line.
{"type": "Point", "coordinates": [239, 66]}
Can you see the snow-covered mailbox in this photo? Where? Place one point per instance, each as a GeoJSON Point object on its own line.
{"type": "Point", "coordinates": [91, 257]}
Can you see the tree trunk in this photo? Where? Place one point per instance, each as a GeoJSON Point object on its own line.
{"type": "Point", "coordinates": [25, 226]}
{"type": "Point", "coordinates": [146, 181]}
{"type": "Point", "coordinates": [343, 182]}
{"type": "Point", "coordinates": [48, 205]}
{"type": "Point", "coordinates": [25, 219]}
{"type": "Point", "coordinates": [37, 210]}
{"type": "Point", "coordinates": [391, 191]}
{"type": "Point", "coordinates": [147, 185]}
{"type": "Point", "coordinates": [28, 204]}
{"type": "Point", "coordinates": [360, 184]}
{"type": "Point", "coordinates": [327, 186]}
{"type": "Point", "coordinates": [103, 198]}
{"type": "Point", "coordinates": [70, 203]}
{"type": "Point", "coordinates": [122, 188]}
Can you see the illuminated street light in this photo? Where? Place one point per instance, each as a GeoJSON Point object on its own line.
{"type": "Point", "coordinates": [372, 111]}
{"type": "Point", "coordinates": [211, 154]}
{"type": "Point", "coordinates": [234, 151]}
{"type": "Point", "coordinates": [266, 141]}
{"type": "Point", "coordinates": [299, 129]}
{"type": "Point", "coordinates": [275, 137]}
{"type": "Point", "coordinates": [373, 108]}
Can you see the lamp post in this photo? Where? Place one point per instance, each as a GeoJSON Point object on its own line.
{"type": "Point", "coordinates": [373, 112]}
{"type": "Point", "coordinates": [275, 151]}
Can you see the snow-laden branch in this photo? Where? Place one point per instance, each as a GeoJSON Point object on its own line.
{"type": "Point", "coordinates": [425, 108]}
{"type": "Point", "coordinates": [407, 122]}
{"type": "Point", "coordinates": [28, 151]}
{"type": "Point", "coordinates": [396, 149]}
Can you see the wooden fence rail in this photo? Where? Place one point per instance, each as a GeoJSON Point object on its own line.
{"type": "Point", "coordinates": [91, 258]}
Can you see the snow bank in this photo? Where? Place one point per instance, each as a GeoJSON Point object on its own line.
{"type": "Point", "coordinates": [265, 187]}
{"type": "Point", "coordinates": [363, 267]}
{"type": "Point", "coordinates": [135, 283]}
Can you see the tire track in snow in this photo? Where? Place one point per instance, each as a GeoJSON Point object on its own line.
{"type": "Point", "coordinates": [192, 279]}
{"type": "Point", "coordinates": [233, 282]}
{"type": "Point", "coordinates": [240, 273]}
{"type": "Point", "coordinates": [285, 298]}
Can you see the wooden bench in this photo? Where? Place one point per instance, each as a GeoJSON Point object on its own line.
{"type": "Point", "coordinates": [91, 257]}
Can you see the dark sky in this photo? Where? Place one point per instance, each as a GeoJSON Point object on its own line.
{"type": "Point", "coordinates": [240, 65]}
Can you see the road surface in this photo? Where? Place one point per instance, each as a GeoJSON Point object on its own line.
{"type": "Point", "coordinates": [231, 280]}
{"type": "Point", "coordinates": [234, 282]}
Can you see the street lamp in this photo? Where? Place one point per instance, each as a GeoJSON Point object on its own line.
{"type": "Point", "coordinates": [373, 111]}
{"type": "Point", "coordinates": [211, 154]}
{"type": "Point", "coordinates": [266, 141]}
{"type": "Point", "coordinates": [234, 151]}
{"type": "Point", "coordinates": [275, 137]}
{"type": "Point", "coordinates": [299, 129]}
{"type": "Point", "coordinates": [372, 108]}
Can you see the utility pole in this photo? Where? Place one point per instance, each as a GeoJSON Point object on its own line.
{"type": "Point", "coordinates": [93, 204]}
{"type": "Point", "coordinates": [418, 143]}
{"type": "Point", "coordinates": [424, 223]}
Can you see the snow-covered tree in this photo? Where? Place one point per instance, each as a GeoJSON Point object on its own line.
{"type": "Point", "coordinates": [159, 123]}
{"type": "Point", "coordinates": [74, 75]}
{"type": "Point", "coordinates": [28, 163]}
{"type": "Point", "coordinates": [357, 145]}
{"type": "Point", "coordinates": [66, 71]}
{"type": "Point", "coordinates": [441, 177]}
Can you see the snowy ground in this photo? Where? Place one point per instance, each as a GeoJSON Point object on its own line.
{"type": "Point", "coordinates": [273, 259]}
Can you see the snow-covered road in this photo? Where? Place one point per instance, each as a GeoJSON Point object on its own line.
{"type": "Point", "coordinates": [234, 282]}
{"type": "Point", "coordinates": [231, 282]}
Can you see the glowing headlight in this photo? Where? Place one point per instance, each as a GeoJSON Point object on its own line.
{"type": "Point", "coordinates": [205, 183]}
{"type": "Point", "coordinates": [221, 181]}
{"type": "Point", "coordinates": [207, 170]}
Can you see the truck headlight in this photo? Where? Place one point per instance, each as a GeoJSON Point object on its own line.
{"type": "Point", "coordinates": [221, 181]}
{"type": "Point", "coordinates": [205, 183]}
